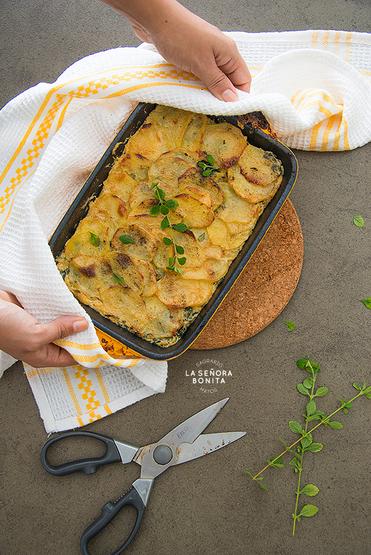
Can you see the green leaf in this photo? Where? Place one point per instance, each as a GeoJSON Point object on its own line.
{"type": "Point", "coordinates": [335, 425]}
{"type": "Point", "coordinates": [314, 447]}
{"type": "Point", "coordinates": [367, 302]}
{"type": "Point", "coordinates": [155, 210]}
{"type": "Point", "coordinates": [308, 364]}
{"type": "Point", "coordinates": [182, 260]}
{"type": "Point", "coordinates": [308, 382]}
{"type": "Point", "coordinates": [302, 389]}
{"type": "Point", "coordinates": [207, 172]}
{"type": "Point", "coordinates": [306, 441]}
{"type": "Point", "coordinates": [171, 261]}
{"type": "Point", "coordinates": [179, 249]}
{"type": "Point", "coordinates": [357, 386]}
{"type": "Point", "coordinates": [126, 239]}
{"type": "Point", "coordinates": [295, 463]}
{"type": "Point", "coordinates": [171, 203]}
{"type": "Point", "coordinates": [291, 326]}
{"type": "Point", "coordinates": [94, 239]}
{"type": "Point", "coordinates": [202, 237]}
{"type": "Point", "coordinates": [262, 485]}
{"type": "Point", "coordinates": [202, 164]}
{"type": "Point", "coordinates": [276, 463]}
{"type": "Point", "coordinates": [321, 391]}
{"type": "Point", "coordinates": [167, 241]}
{"type": "Point", "coordinates": [311, 407]}
{"type": "Point", "coordinates": [210, 160]}
{"type": "Point", "coordinates": [164, 210]}
{"type": "Point", "coordinates": [118, 279]}
{"type": "Point", "coordinates": [359, 221]}
{"type": "Point", "coordinates": [180, 227]}
{"type": "Point", "coordinates": [165, 223]}
{"type": "Point", "coordinates": [295, 427]}
{"type": "Point", "coordinates": [308, 511]}
{"type": "Point", "coordinates": [310, 489]}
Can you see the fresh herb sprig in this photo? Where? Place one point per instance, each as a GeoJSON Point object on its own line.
{"type": "Point", "coordinates": [305, 442]}
{"type": "Point", "coordinates": [207, 166]}
{"type": "Point", "coordinates": [165, 206]}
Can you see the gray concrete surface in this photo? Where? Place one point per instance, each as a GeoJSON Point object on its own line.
{"type": "Point", "coordinates": [209, 506]}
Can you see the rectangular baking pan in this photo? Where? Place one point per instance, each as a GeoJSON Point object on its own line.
{"type": "Point", "coordinates": [92, 188]}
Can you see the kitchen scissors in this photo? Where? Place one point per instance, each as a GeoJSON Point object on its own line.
{"type": "Point", "coordinates": [183, 443]}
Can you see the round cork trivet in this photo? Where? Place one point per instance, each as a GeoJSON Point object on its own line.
{"type": "Point", "coordinates": [264, 287]}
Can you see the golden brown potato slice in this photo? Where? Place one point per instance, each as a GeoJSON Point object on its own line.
{"type": "Point", "coordinates": [135, 240]}
{"type": "Point", "coordinates": [108, 206]}
{"type": "Point", "coordinates": [218, 234]}
{"type": "Point", "coordinates": [193, 212]}
{"type": "Point", "coordinates": [90, 238]}
{"type": "Point", "coordinates": [173, 122]}
{"type": "Point", "coordinates": [193, 134]}
{"type": "Point", "coordinates": [125, 306]}
{"type": "Point", "coordinates": [198, 193]}
{"type": "Point", "coordinates": [224, 142]}
{"type": "Point", "coordinates": [163, 321]}
{"type": "Point", "coordinates": [236, 209]}
{"type": "Point", "coordinates": [126, 272]}
{"type": "Point", "coordinates": [142, 195]}
{"type": "Point", "coordinates": [167, 169]}
{"type": "Point", "coordinates": [136, 166]}
{"type": "Point", "coordinates": [178, 292]}
{"type": "Point", "coordinates": [212, 270]}
{"type": "Point", "coordinates": [119, 182]}
{"type": "Point", "coordinates": [257, 176]}
{"type": "Point", "coordinates": [148, 142]}
{"type": "Point", "coordinates": [204, 189]}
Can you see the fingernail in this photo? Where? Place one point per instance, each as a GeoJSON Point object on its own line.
{"type": "Point", "coordinates": [229, 96]}
{"type": "Point", "coordinates": [79, 325]}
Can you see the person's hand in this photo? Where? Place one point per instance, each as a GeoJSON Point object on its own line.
{"type": "Point", "coordinates": [22, 337]}
{"type": "Point", "coordinates": [190, 43]}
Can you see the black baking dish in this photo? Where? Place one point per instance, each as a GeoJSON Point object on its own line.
{"type": "Point", "coordinates": [92, 188]}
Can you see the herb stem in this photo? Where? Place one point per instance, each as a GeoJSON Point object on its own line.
{"type": "Point", "coordinates": [295, 515]}
{"type": "Point", "coordinates": [323, 421]}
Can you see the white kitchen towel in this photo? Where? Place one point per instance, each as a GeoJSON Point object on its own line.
{"type": "Point", "coordinates": [314, 88]}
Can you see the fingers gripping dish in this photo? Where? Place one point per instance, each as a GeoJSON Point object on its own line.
{"type": "Point", "coordinates": [175, 210]}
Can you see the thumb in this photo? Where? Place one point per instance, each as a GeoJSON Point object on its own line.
{"type": "Point", "coordinates": [61, 327]}
{"type": "Point", "coordinates": [218, 83]}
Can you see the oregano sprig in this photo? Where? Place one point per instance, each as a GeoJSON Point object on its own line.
{"type": "Point", "coordinates": [207, 166]}
{"type": "Point", "coordinates": [165, 206]}
{"type": "Point", "coordinates": [305, 442]}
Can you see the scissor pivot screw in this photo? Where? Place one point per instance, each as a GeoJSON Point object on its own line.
{"type": "Point", "coordinates": [162, 454]}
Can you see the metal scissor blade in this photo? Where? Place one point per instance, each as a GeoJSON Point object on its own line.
{"type": "Point", "coordinates": [205, 444]}
{"type": "Point", "coordinates": [190, 429]}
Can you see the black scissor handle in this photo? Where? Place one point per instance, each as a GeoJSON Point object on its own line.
{"type": "Point", "coordinates": [109, 511]}
{"type": "Point", "coordinates": [88, 466]}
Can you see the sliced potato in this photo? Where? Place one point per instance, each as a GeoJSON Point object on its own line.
{"type": "Point", "coordinates": [125, 306]}
{"type": "Point", "coordinates": [192, 248]}
{"type": "Point", "coordinates": [168, 168]}
{"type": "Point", "coordinates": [136, 166]}
{"type": "Point", "coordinates": [144, 243]}
{"type": "Point", "coordinates": [108, 206]}
{"type": "Point", "coordinates": [212, 270]}
{"type": "Point", "coordinates": [236, 209]}
{"type": "Point", "coordinates": [90, 238]}
{"type": "Point", "coordinates": [193, 212]}
{"type": "Point", "coordinates": [198, 193]}
{"type": "Point", "coordinates": [173, 123]}
{"type": "Point", "coordinates": [193, 134]}
{"type": "Point", "coordinates": [181, 293]}
{"type": "Point", "coordinates": [163, 321]}
{"type": "Point", "coordinates": [119, 182]}
{"type": "Point", "coordinates": [218, 234]}
{"type": "Point", "coordinates": [148, 142]}
{"type": "Point", "coordinates": [224, 142]}
{"type": "Point", "coordinates": [124, 268]}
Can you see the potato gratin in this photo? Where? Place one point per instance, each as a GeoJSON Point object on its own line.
{"type": "Point", "coordinates": [174, 212]}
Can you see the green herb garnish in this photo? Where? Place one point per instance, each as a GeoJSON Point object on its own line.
{"type": "Point", "coordinates": [164, 206]}
{"type": "Point", "coordinates": [367, 302]}
{"type": "Point", "coordinates": [126, 239]}
{"type": "Point", "coordinates": [118, 279]}
{"type": "Point", "coordinates": [305, 442]}
{"type": "Point", "coordinates": [359, 221]}
{"type": "Point", "coordinates": [94, 239]}
{"type": "Point", "coordinates": [291, 326]}
{"type": "Point", "coordinates": [207, 166]}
